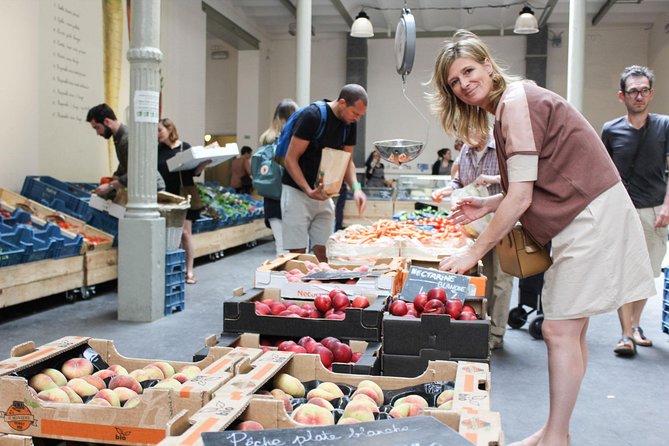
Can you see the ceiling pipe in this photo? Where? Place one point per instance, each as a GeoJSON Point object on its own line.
{"type": "Point", "coordinates": [546, 13]}
{"type": "Point", "coordinates": [602, 11]}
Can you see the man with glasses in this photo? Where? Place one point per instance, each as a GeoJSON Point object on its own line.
{"type": "Point", "coordinates": [639, 145]}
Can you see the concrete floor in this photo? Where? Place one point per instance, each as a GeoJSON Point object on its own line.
{"type": "Point", "coordinates": [622, 401]}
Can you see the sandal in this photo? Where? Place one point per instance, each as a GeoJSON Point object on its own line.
{"type": "Point", "coordinates": [625, 347]}
{"type": "Point", "coordinates": [190, 279]}
{"type": "Point", "coordinates": [639, 338]}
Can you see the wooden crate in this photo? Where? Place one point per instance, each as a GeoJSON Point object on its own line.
{"type": "Point", "coordinates": [100, 266]}
{"type": "Point", "coordinates": [206, 243]}
{"type": "Point", "coordinates": [29, 281]}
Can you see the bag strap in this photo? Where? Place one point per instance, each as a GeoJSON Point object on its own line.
{"type": "Point", "coordinates": [324, 115]}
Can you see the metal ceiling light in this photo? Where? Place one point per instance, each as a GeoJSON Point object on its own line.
{"type": "Point", "coordinates": [526, 23]}
{"type": "Point", "coordinates": [362, 27]}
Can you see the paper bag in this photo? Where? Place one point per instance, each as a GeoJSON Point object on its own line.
{"type": "Point", "coordinates": [332, 170]}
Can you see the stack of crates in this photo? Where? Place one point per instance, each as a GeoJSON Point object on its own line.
{"type": "Point", "coordinates": [175, 281]}
{"type": "Point", "coordinates": [665, 303]}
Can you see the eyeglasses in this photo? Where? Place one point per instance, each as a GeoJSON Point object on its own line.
{"type": "Point", "coordinates": [634, 92]}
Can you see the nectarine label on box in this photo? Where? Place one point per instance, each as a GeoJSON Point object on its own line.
{"type": "Point", "coordinates": [18, 416]}
{"type": "Point", "coordinates": [421, 280]}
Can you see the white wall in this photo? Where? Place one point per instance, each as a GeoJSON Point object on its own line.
{"type": "Point", "coordinates": [221, 91]}
{"type": "Point", "coordinates": [658, 55]}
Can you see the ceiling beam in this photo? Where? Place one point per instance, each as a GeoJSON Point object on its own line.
{"type": "Point", "coordinates": [548, 10]}
{"type": "Point", "coordinates": [342, 11]}
{"type": "Point", "coordinates": [290, 7]}
{"type": "Point", "coordinates": [602, 11]}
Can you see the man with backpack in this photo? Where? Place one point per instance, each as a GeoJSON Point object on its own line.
{"type": "Point", "coordinates": [306, 209]}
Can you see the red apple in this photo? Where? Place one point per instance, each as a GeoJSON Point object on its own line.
{"type": "Point", "coordinates": [342, 353]}
{"type": "Point", "coordinates": [360, 302]}
{"type": "Point", "coordinates": [334, 292]}
{"type": "Point", "coordinates": [286, 345]}
{"type": "Point", "coordinates": [335, 315]}
{"type": "Point", "coordinates": [398, 308]}
{"type": "Point", "coordinates": [277, 307]}
{"type": "Point", "coordinates": [312, 346]}
{"type": "Point", "coordinates": [330, 342]}
{"type": "Point", "coordinates": [263, 308]}
{"type": "Point", "coordinates": [323, 302]}
{"type": "Point", "coordinates": [304, 340]}
{"type": "Point", "coordinates": [314, 314]}
{"type": "Point", "coordinates": [437, 293]}
{"type": "Point", "coordinates": [326, 355]}
{"type": "Point", "coordinates": [411, 313]}
{"type": "Point", "coordinates": [434, 306]}
{"type": "Point", "coordinates": [454, 307]}
{"type": "Point", "coordinates": [419, 301]}
{"type": "Point", "coordinates": [468, 316]}
{"type": "Point", "coordinates": [355, 356]}
{"type": "Point", "coordinates": [468, 308]}
{"type": "Point", "coordinates": [297, 349]}
{"type": "Point", "coordinates": [340, 301]}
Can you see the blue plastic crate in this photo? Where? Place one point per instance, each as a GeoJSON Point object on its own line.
{"type": "Point", "coordinates": [35, 249]}
{"type": "Point", "coordinates": [71, 246]}
{"type": "Point", "coordinates": [57, 195]}
{"type": "Point", "coordinates": [665, 304]}
{"type": "Point", "coordinates": [203, 224]}
{"type": "Point", "coordinates": [104, 222]}
{"type": "Point", "coordinates": [175, 261]}
{"type": "Point", "coordinates": [174, 302]}
{"type": "Point", "coordinates": [177, 278]}
{"type": "Point", "coordinates": [18, 216]}
{"type": "Point", "coordinates": [10, 254]}
{"type": "Point", "coordinates": [87, 187]}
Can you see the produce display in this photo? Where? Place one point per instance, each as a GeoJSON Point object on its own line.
{"type": "Point", "coordinates": [324, 306]}
{"type": "Point", "coordinates": [224, 207]}
{"type": "Point", "coordinates": [78, 382]}
{"type": "Point", "coordinates": [435, 301]}
{"type": "Point", "coordinates": [330, 349]}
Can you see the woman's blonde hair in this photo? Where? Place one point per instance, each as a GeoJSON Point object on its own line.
{"type": "Point", "coordinates": [283, 111]}
{"type": "Point", "coordinates": [457, 118]}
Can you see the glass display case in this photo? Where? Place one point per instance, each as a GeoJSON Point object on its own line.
{"type": "Point", "coordinates": [419, 187]}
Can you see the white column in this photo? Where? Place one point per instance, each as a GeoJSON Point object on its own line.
{"type": "Point", "coordinates": [141, 270]}
{"type": "Point", "coordinates": [303, 77]}
{"type": "Point", "coordinates": [576, 53]}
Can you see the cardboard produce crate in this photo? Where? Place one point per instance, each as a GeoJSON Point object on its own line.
{"type": "Point", "coordinates": [25, 414]}
{"type": "Point", "coordinates": [471, 415]}
{"type": "Point", "coordinates": [239, 316]}
{"type": "Point", "coordinates": [381, 279]}
{"type": "Point", "coordinates": [368, 364]}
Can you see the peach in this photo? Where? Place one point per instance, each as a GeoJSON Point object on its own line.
{"type": "Point", "coordinates": [405, 410]}
{"type": "Point", "coordinates": [76, 368]}
{"type": "Point", "coordinates": [56, 375]}
{"type": "Point", "coordinates": [327, 390]}
{"type": "Point", "coordinates": [118, 369]}
{"type": "Point", "coordinates": [448, 405]}
{"type": "Point", "coordinates": [313, 415]}
{"type": "Point", "coordinates": [182, 378]}
{"type": "Point", "coordinates": [363, 402]}
{"type": "Point", "coordinates": [321, 402]}
{"type": "Point", "coordinates": [347, 420]}
{"type": "Point", "coordinates": [362, 396]}
{"type": "Point", "coordinates": [169, 383]}
{"type": "Point", "coordinates": [366, 383]}
{"type": "Point", "coordinates": [191, 371]}
{"type": "Point", "coordinates": [132, 402]}
{"type": "Point", "coordinates": [95, 381]}
{"type": "Point", "coordinates": [81, 387]}
{"type": "Point", "coordinates": [445, 396]}
{"type": "Point", "coordinates": [74, 398]}
{"type": "Point", "coordinates": [359, 412]}
{"type": "Point", "coordinates": [125, 394]}
{"type": "Point", "coordinates": [249, 425]}
{"type": "Point", "coordinates": [369, 392]}
{"type": "Point", "coordinates": [42, 381]}
{"type": "Point", "coordinates": [413, 399]}
{"type": "Point", "coordinates": [280, 395]}
{"type": "Point", "coordinates": [125, 381]}
{"type": "Point", "coordinates": [140, 375]}
{"type": "Point", "coordinates": [154, 372]}
{"type": "Point", "coordinates": [109, 395]}
{"type": "Point", "coordinates": [105, 373]}
{"type": "Point", "coordinates": [54, 395]}
{"type": "Point", "coordinates": [99, 402]}
{"type": "Point", "coordinates": [289, 384]}
{"type": "Point", "coordinates": [165, 367]}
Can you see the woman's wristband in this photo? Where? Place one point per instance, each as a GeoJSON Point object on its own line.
{"type": "Point", "coordinates": [356, 186]}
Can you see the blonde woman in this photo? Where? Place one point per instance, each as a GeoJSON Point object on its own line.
{"type": "Point", "coordinates": [547, 153]}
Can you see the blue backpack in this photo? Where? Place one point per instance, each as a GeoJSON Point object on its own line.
{"type": "Point", "coordinates": [266, 172]}
{"type": "Point", "coordinates": [287, 132]}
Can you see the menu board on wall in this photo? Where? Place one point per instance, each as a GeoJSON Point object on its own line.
{"type": "Point", "coordinates": [70, 84]}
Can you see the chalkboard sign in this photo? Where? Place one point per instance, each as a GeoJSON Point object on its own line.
{"type": "Point", "coordinates": [413, 431]}
{"type": "Point", "coordinates": [421, 280]}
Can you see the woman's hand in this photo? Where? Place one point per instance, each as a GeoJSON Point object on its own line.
{"type": "Point", "coordinates": [468, 209]}
{"type": "Point", "coordinates": [459, 263]}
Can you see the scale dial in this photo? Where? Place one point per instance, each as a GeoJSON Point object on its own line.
{"type": "Point", "coordinates": [405, 43]}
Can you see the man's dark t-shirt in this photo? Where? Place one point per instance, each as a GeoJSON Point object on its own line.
{"type": "Point", "coordinates": [647, 184]}
{"type": "Point", "coordinates": [305, 128]}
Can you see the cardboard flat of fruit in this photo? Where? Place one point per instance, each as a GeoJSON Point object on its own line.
{"type": "Point", "coordinates": [288, 271]}
{"type": "Point", "coordinates": [240, 315]}
{"type": "Point", "coordinates": [470, 414]}
{"type": "Point", "coordinates": [34, 401]}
